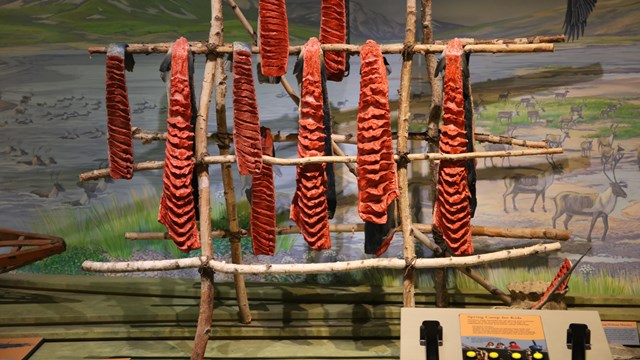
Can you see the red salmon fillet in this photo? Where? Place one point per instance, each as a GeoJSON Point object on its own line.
{"type": "Point", "coordinates": [274, 37]}
{"type": "Point", "coordinates": [452, 212]}
{"type": "Point", "coordinates": [333, 30]}
{"type": "Point", "coordinates": [263, 203]}
{"type": "Point", "coordinates": [309, 209]}
{"type": "Point", "coordinates": [177, 205]}
{"type": "Point", "coordinates": [119, 140]}
{"type": "Point", "coordinates": [246, 124]}
{"type": "Point", "coordinates": [377, 179]}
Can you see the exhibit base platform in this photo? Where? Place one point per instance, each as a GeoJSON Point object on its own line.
{"type": "Point", "coordinates": [97, 317]}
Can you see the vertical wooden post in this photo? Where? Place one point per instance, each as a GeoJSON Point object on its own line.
{"type": "Point", "coordinates": [204, 202]}
{"type": "Point", "coordinates": [440, 275]}
{"type": "Point", "coordinates": [243, 20]}
{"type": "Point", "coordinates": [409, 250]}
{"type": "Point", "coordinates": [227, 174]}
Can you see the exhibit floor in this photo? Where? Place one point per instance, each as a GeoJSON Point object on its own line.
{"type": "Point", "coordinates": [83, 317]}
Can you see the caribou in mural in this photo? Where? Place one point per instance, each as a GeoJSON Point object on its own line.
{"type": "Point", "coordinates": [595, 205]}
{"type": "Point", "coordinates": [555, 140]}
{"type": "Point", "coordinates": [531, 184]}
{"type": "Point", "coordinates": [585, 148]}
{"type": "Point", "coordinates": [500, 147]}
{"type": "Point", "coordinates": [607, 141]}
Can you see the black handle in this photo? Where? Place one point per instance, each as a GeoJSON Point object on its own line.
{"type": "Point", "coordinates": [431, 338]}
{"type": "Point", "coordinates": [579, 341]}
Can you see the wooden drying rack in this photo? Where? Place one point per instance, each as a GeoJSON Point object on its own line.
{"type": "Point", "coordinates": [215, 78]}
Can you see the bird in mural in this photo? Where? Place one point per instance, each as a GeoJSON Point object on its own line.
{"type": "Point", "coordinates": [575, 19]}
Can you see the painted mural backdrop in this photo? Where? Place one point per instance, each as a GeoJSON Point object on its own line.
{"type": "Point", "coordinates": [584, 98]}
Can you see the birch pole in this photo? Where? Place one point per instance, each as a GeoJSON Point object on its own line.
{"type": "Point", "coordinates": [205, 314]}
{"type": "Point", "coordinates": [409, 250]}
{"type": "Point", "coordinates": [243, 21]}
{"type": "Point", "coordinates": [149, 136]}
{"type": "Point", "coordinates": [227, 182]}
{"type": "Point", "coordinates": [516, 45]}
{"type": "Point", "coordinates": [316, 268]}
{"type": "Point", "coordinates": [440, 275]}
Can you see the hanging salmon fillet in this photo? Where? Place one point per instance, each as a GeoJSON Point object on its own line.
{"type": "Point", "coordinates": [246, 124]}
{"type": "Point", "coordinates": [333, 30]}
{"type": "Point", "coordinates": [309, 205]}
{"type": "Point", "coordinates": [118, 112]}
{"type": "Point", "coordinates": [263, 203]}
{"type": "Point", "coordinates": [452, 211]}
{"type": "Point", "coordinates": [273, 34]}
{"type": "Point", "coordinates": [377, 179]}
{"type": "Point", "coordinates": [177, 205]}
{"type": "Point", "coordinates": [562, 275]}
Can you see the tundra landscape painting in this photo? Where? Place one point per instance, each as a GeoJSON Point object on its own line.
{"type": "Point", "coordinates": [583, 98]}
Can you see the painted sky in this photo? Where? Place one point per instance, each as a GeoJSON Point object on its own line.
{"type": "Point", "coordinates": [475, 11]}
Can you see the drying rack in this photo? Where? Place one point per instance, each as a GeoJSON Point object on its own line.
{"type": "Point", "coordinates": [214, 84]}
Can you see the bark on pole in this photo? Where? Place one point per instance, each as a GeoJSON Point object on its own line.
{"type": "Point", "coordinates": [435, 113]}
{"type": "Point", "coordinates": [409, 251]}
{"type": "Point", "coordinates": [316, 268]}
{"type": "Point", "coordinates": [205, 313]}
{"type": "Point", "coordinates": [149, 136]}
{"type": "Point", "coordinates": [516, 45]}
{"type": "Point", "coordinates": [490, 231]}
{"type": "Point", "coordinates": [227, 182]}
{"type": "Point", "coordinates": [228, 159]}
{"type": "Point", "coordinates": [243, 20]}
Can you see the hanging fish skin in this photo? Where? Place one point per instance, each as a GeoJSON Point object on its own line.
{"type": "Point", "coordinates": [377, 237]}
{"type": "Point", "coordinates": [469, 127]}
{"type": "Point", "coordinates": [120, 142]}
{"type": "Point", "coordinates": [452, 211]}
{"type": "Point", "coordinates": [309, 209]}
{"type": "Point", "coordinates": [332, 196]}
{"type": "Point", "coordinates": [177, 204]}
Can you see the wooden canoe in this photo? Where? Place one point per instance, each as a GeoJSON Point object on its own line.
{"type": "Point", "coordinates": [19, 248]}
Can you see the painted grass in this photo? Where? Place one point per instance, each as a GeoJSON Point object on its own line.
{"type": "Point", "coordinates": [68, 262]}
{"type": "Point", "coordinates": [102, 227]}
{"type": "Point", "coordinates": [95, 21]}
{"type": "Point", "coordinates": [100, 230]}
{"type": "Point", "coordinates": [583, 282]}
{"type": "Point", "coordinates": [627, 114]}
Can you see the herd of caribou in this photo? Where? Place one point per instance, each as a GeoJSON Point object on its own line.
{"type": "Point", "coordinates": [569, 204]}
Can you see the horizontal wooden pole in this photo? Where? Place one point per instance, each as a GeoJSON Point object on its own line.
{"type": "Point", "coordinates": [494, 139]}
{"type": "Point", "coordinates": [518, 45]}
{"type": "Point", "coordinates": [158, 235]}
{"type": "Point", "coordinates": [317, 268]}
{"type": "Point", "coordinates": [491, 231]}
{"type": "Point", "coordinates": [226, 159]}
{"type": "Point", "coordinates": [149, 136]}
